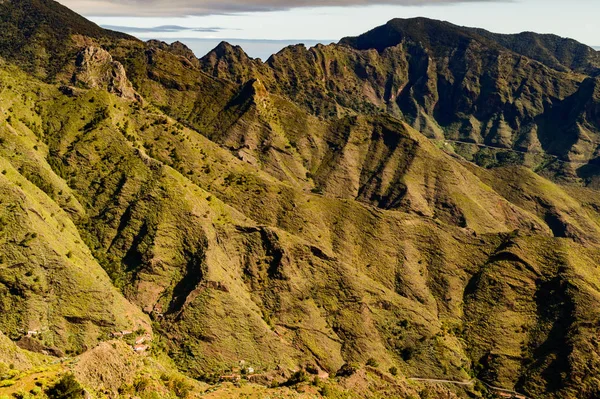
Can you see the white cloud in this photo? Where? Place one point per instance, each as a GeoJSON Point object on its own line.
{"type": "Point", "coordinates": [179, 8]}
{"type": "Point", "coordinates": [160, 29]}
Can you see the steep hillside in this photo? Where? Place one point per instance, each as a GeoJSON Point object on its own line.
{"type": "Point", "coordinates": [495, 97]}
{"type": "Point", "coordinates": [40, 35]}
{"type": "Point", "coordinates": [132, 210]}
{"type": "Point", "coordinates": [51, 283]}
{"type": "Point", "coordinates": [309, 226]}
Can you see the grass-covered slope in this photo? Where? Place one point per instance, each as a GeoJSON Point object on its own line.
{"type": "Point", "coordinates": [235, 264]}
{"type": "Point", "coordinates": [165, 240]}
{"type": "Point", "coordinates": [51, 282]}
{"type": "Point", "coordinates": [240, 229]}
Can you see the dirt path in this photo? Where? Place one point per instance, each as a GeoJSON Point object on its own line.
{"type": "Point", "coordinates": [443, 381]}
{"type": "Point", "coordinates": [506, 391]}
{"type": "Point", "coordinates": [557, 159]}
{"type": "Point", "coordinates": [470, 383]}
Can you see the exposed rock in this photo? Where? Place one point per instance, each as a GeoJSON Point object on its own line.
{"type": "Point", "coordinates": [34, 345]}
{"type": "Point", "coordinates": [97, 69]}
{"type": "Point", "coordinates": [176, 48]}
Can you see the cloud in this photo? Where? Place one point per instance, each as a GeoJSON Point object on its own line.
{"type": "Point", "coordinates": [179, 8]}
{"type": "Point", "coordinates": [161, 29]}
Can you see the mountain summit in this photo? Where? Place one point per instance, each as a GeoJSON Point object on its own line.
{"type": "Point", "coordinates": [556, 52]}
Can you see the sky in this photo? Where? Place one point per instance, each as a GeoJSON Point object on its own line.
{"type": "Point", "coordinates": [262, 27]}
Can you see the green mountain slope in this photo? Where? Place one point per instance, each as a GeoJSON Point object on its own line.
{"type": "Point", "coordinates": [496, 97]}
{"type": "Point", "coordinates": [51, 283]}
{"type": "Point", "coordinates": [318, 212]}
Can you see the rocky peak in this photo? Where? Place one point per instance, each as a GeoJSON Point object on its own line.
{"type": "Point", "coordinates": [176, 48]}
{"type": "Point", "coordinates": [225, 49]}
{"type": "Point", "coordinates": [97, 69]}
{"type": "Point", "coordinates": [230, 62]}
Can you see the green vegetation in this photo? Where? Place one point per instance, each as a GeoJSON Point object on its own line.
{"type": "Point", "coordinates": [287, 228]}
{"type": "Point", "coordinates": [66, 388]}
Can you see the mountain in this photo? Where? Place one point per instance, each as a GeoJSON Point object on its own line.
{"type": "Point", "coordinates": [42, 35]}
{"type": "Point", "coordinates": [553, 51]}
{"type": "Point", "coordinates": [354, 220]}
{"type": "Point", "coordinates": [479, 90]}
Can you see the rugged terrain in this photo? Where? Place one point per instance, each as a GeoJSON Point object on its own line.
{"type": "Point", "coordinates": [354, 220]}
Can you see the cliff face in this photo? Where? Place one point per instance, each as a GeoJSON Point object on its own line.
{"type": "Point", "coordinates": [460, 84]}
{"type": "Point", "coordinates": [96, 69]}
{"type": "Point", "coordinates": [312, 211]}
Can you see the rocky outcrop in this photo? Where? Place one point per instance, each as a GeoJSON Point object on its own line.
{"type": "Point", "coordinates": [97, 69]}
{"type": "Point", "coordinates": [230, 62]}
{"type": "Point", "coordinates": [176, 48]}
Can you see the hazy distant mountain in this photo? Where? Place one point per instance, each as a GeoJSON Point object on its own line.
{"type": "Point", "coordinates": [419, 202]}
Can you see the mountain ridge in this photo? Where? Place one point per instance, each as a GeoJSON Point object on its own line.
{"type": "Point", "coordinates": [515, 112]}
{"type": "Point", "coordinates": [552, 50]}
{"type": "Point", "coordinates": [310, 224]}
{"type": "Point", "coordinates": [38, 34]}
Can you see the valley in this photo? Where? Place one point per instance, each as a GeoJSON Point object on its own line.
{"type": "Point", "coordinates": [373, 218]}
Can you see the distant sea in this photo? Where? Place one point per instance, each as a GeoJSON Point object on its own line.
{"type": "Point", "coordinates": [262, 49]}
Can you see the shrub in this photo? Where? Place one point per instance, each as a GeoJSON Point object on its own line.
{"type": "Point", "coordinates": [326, 391]}
{"type": "Point", "coordinates": [393, 370]}
{"type": "Point", "coordinates": [209, 378]}
{"type": "Point", "coordinates": [372, 362]}
{"type": "Point", "coordinates": [66, 388]}
{"type": "Point", "coordinates": [297, 378]}
{"type": "Point", "coordinates": [180, 387]}
{"type": "Point", "coordinates": [407, 354]}
{"type": "Point", "coordinates": [347, 370]}
{"type": "Point", "coordinates": [141, 384]}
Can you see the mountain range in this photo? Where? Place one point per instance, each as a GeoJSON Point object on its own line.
{"type": "Point", "coordinates": [409, 213]}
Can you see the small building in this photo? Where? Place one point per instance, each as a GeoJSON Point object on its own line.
{"type": "Point", "coordinates": [140, 348]}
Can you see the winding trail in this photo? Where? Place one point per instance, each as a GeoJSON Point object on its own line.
{"type": "Point", "coordinates": [472, 382]}
{"type": "Point", "coordinates": [556, 158]}
{"type": "Point", "coordinates": [513, 394]}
